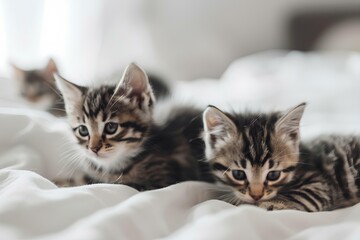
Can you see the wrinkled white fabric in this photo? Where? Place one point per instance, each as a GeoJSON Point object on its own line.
{"type": "Point", "coordinates": [32, 147]}
{"type": "Point", "coordinates": [34, 208]}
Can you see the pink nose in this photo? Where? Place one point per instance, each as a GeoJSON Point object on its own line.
{"type": "Point", "coordinates": [96, 148]}
{"type": "Point", "coordinates": [256, 197]}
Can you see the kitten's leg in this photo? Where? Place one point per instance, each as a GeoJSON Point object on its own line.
{"type": "Point", "coordinates": [153, 172]}
{"type": "Point", "coordinates": [312, 197]}
{"type": "Point", "coordinates": [277, 204]}
{"type": "Point", "coordinates": [68, 183]}
{"type": "Point", "coordinates": [80, 180]}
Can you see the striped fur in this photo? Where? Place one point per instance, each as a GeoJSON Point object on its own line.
{"type": "Point", "coordinates": [317, 176]}
{"type": "Point", "coordinates": [138, 153]}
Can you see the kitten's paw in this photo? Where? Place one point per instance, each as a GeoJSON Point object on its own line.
{"type": "Point", "coordinates": [272, 205]}
{"type": "Point", "coordinates": [64, 183]}
{"type": "Point", "coordinates": [72, 182]}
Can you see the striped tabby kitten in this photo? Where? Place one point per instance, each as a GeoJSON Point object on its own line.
{"type": "Point", "coordinates": [119, 141]}
{"type": "Point", "coordinates": [262, 160]}
{"type": "Point", "coordinates": [38, 88]}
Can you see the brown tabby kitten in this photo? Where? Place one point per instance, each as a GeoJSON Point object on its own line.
{"type": "Point", "coordinates": [120, 143]}
{"type": "Point", "coordinates": [260, 157]}
{"type": "Point", "coordinates": [38, 88]}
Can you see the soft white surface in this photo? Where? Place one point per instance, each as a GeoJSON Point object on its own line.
{"type": "Point", "coordinates": [33, 147]}
{"type": "Point", "coordinates": [33, 208]}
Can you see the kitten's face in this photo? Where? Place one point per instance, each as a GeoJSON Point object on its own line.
{"type": "Point", "coordinates": [255, 155]}
{"type": "Point", "coordinates": [37, 86]}
{"type": "Point", "coordinates": [110, 123]}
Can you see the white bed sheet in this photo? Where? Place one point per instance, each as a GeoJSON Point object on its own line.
{"type": "Point", "coordinates": [32, 147]}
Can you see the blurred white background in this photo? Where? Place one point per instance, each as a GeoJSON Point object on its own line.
{"type": "Point", "coordinates": [178, 39]}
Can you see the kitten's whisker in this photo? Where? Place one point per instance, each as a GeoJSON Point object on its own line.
{"type": "Point", "coordinates": [58, 109]}
{"type": "Point", "coordinates": [225, 196]}
{"type": "Point", "coordinates": [254, 121]}
{"type": "Point", "coordinates": [225, 171]}
{"type": "Point", "coordinates": [55, 90]}
{"type": "Point", "coordinates": [220, 187]}
{"type": "Point", "coordinates": [71, 161]}
{"type": "Point", "coordinates": [204, 159]}
{"type": "Point", "coordinates": [290, 154]}
{"type": "Point", "coordinates": [116, 180]}
{"type": "Point", "coordinates": [299, 163]}
{"type": "Point", "coordinates": [72, 158]}
{"type": "Point", "coordinates": [118, 99]}
{"type": "Point", "coordinates": [230, 198]}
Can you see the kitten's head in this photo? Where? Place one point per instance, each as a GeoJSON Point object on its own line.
{"type": "Point", "coordinates": [254, 154]}
{"type": "Point", "coordinates": [110, 122]}
{"type": "Point", "coordinates": [37, 86]}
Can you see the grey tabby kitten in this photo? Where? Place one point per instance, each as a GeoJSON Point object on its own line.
{"type": "Point", "coordinates": [261, 159]}
{"type": "Point", "coordinates": [120, 143]}
{"type": "Point", "coordinates": [38, 88]}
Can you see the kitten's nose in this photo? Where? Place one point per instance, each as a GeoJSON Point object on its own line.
{"type": "Point", "coordinates": [96, 148]}
{"type": "Point", "coordinates": [256, 197]}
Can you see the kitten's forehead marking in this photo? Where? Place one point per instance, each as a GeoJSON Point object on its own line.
{"type": "Point", "coordinates": [96, 102]}
{"type": "Point", "coordinates": [264, 157]}
{"type": "Point", "coordinates": [270, 164]}
{"type": "Point", "coordinates": [257, 147]}
{"type": "Point", "coordinates": [96, 125]}
{"type": "Point", "coordinates": [243, 163]}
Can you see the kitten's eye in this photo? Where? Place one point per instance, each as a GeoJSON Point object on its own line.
{"type": "Point", "coordinates": [111, 127]}
{"type": "Point", "coordinates": [239, 174]}
{"type": "Point", "coordinates": [273, 175]}
{"type": "Point", "coordinates": [83, 131]}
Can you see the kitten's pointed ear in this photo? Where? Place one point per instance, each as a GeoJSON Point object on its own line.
{"type": "Point", "coordinates": [49, 70]}
{"type": "Point", "coordinates": [218, 128]}
{"type": "Point", "coordinates": [289, 124]}
{"type": "Point", "coordinates": [72, 93]}
{"type": "Point", "coordinates": [51, 67]}
{"type": "Point", "coordinates": [19, 73]}
{"type": "Point", "coordinates": [135, 84]}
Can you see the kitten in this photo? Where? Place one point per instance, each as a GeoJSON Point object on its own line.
{"type": "Point", "coordinates": [119, 141]}
{"type": "Point", "coordinates": [38, 88]}
{"type": "Point", "coordinates": [261, 159]}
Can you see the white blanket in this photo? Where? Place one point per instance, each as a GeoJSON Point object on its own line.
{"type": "Point", "coordinates": [33, 149]}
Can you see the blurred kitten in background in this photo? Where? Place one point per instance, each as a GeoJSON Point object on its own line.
{"type": "Point", "coordinates": [38, 88]}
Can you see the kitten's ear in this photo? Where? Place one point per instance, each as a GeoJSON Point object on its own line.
{"type": "Point", "coordinates": [135, 84]}
{"type": "Point", "coordinates": [51, 67]}
{"type": "Point", "coordinates": [72, 93]}
{"type": "Point", "coordinates": [19, 73]}
{"type": "Point", "coordinates": [217, 129]}
{"type": "Point", "coordinates": [288, 126]}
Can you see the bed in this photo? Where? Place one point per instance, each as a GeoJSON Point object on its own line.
{"type": "Point", "coordinates": [33, 151]}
